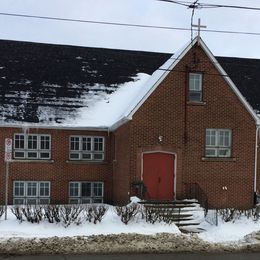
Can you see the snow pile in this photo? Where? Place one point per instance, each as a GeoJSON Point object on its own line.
{"type": "Point", "coordinates": [227, 232]}
{"type": "Point", "coordinates": [111, 224]}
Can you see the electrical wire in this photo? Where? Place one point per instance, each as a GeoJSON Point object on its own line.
{"type": "Point", "coordinates": [208, 5]}
{"type": "Point", "coordinates": [126, 24]}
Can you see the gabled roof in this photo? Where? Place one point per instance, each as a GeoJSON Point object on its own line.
{"type": "Point", "coordinates": [45, 85]}
{"type": "Point", "coordinates": [245, 73]}
{"type": "Point", "coordinates": [69, 86]}
{"type": "Point", "coordinates": [244, 96]}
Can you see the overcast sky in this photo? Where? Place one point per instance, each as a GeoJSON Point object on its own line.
{"type": "Point", "coordinates": [147, 12]}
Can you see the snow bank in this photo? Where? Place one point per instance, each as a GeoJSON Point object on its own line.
{"type": "Point", "coordinates": [228, 231]}
{"type": "Point", "coordinates": [111, 224]}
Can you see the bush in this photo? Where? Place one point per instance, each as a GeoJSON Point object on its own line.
{"type": "Point", "coordinates": [95, 213]}
{"type": "Point", "coordinates": [70, 214]}
{"type": "Point", "coordinates": [232, 214]}
{"type": "Point", "coordinates": [126, 213]}
{"type": "Point", "coordinates": [33, 214]}
{"type": "Point", "coordinates": [2, 211]}
{"type": "Point", "coordinates": [152, 215]}
{"type": "Point", "coordinates": [52, 213]}
{"type": "Point", "coordinates": [17, 211]}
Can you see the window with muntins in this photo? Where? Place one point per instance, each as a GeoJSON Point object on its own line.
{"type": "Point", "coordinates": [32, 146]}
{"type": "Point", "coordinates": [86, 192]}
{"type": "Point", "coordinates": [89, 148]}
{"type": "Point", "coordinates": [31, 192]}
{"type": "Point", "coordinates": [195, 87]}
{"type": "Point", "coordinates": [218, 142]}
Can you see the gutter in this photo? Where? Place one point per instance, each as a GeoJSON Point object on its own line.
{"type": "Point", "coordinates": [119, 123]}
{"type": "Point", "coordinates": [101, 128]}
{"type": "Point", "coordinates": [256, 151]}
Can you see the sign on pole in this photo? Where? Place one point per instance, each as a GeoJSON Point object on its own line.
{"type": "Point", "coordinates": [8, 159]}
{"type": "Point", "coordinates": [8, 149]}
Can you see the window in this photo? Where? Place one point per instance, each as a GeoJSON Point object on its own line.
{"type": "Point", "coordinates": [32, 146]}
{"type": "Point", "coordinates": [86, 192]}
{"type": "Point", "coordinates": [218, 142]}
{"type": "Point", "coordinates": [31, 192]}
{"type": "Point", "coordinates": [195, 87]}
{"type": "Point", "coordinates": [86, 148]}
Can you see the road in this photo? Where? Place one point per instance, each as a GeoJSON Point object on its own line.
{"type": "Point", "coordinates": [177, 256]}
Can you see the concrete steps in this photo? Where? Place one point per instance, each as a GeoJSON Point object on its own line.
{"type": "Point", "coordinates": [186, 214]}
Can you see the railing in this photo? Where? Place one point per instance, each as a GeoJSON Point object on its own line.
{"type": "Point", "coordinates": [212, 217]}
{"type": "Point", "coordinates": [194, 191]}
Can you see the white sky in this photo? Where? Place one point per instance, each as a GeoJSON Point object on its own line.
{"type": "Point", "coordinates": [148, 12]}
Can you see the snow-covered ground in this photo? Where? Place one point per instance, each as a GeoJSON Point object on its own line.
{"type": "Point", "coordinates": [111, 224]}
{"type": "Point", "coordinates": [229, 232]}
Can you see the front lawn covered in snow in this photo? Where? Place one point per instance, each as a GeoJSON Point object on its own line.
{"type": "Point", "coordinates": [233, 230]}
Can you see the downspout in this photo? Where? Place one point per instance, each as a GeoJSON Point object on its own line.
{"type": "Point", "coordinates": [256, 151]}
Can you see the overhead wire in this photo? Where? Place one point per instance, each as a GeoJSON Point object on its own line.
{"type": "Point", "coordinates": [127, 24]}
{"type": "Point", "coordinates": [208, 5]}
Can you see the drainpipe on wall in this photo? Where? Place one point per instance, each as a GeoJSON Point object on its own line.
{"type": "Point", "coordinates": [256, 151]}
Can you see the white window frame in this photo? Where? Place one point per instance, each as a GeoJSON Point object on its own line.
{"type": "Point", "coordinates": [92, 152]}
{"type": "Point", "coordinates": [192, 89]}
{"type": "Point", "coordinates": [26, 151]}
{"type": "Point", "coordinates": [27, 197]}
{"type": "Point", "coordinates": [218, 147]}
{"type": "Point", "coordinates": [82, 199]}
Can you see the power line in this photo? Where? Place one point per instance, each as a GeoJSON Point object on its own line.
{"type": "Point", "coordinates": [207, 5]}
{"type": "Point", "coordinates": [125, 24]}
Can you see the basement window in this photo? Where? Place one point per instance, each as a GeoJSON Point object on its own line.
{"type": "Point", "coordinates": [32, 146]}
{"type": "Point", "coordinates": [88, 148]}
{"type": "Point", "coordinates": [31, 192]}
{"type": "Point", "coordinates": [218, 142]}
{"type": "Point", "coordinates": [86, 192]}
{"type": "Point", "coordinates": [195, 87]}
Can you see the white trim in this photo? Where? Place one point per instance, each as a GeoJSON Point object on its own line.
{"type": "Point", "coordinates": [174, 165]}
{"type": "Point", "coordinates": [25, 196]}
{"type": "Point", "coordinates": [230, 82]}
{"type": "Point", "coordinates": [34, 126]}
{"type": "Point", "coordinates": [26, 150]}
{"type": "Point", "coordinates": [92, 152]}
{"type": "Point", "coordinates": [177, 58]}
{"type": "Point", "coordinates": [168, 68]}
{"type": "Point", "coordinates": [91, 198]}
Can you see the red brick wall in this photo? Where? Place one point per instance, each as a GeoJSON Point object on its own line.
{"type": "Point", "coordinates": [166, 113]}
{"type": "Point", "coordinates": [61, 171]}
{"type": "Point", "coordinates": [121, 174]}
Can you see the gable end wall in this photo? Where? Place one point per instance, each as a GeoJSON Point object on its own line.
{"type": "Point", "coordinates": [183, 125]}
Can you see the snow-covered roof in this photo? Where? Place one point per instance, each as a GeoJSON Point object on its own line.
{"type": "Point", "coordinates": [45, 85]}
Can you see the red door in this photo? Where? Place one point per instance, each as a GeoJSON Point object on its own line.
{"type": "Point", "coordinates": [158, 175]}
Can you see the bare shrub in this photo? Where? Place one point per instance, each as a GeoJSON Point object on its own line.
{"type": "Point", "coordinates": [52, 213]}
{"type": "Point", "coordinates": [231, 214]}
{"type": "Point", "coordinates": [99, 212]}
{"type": "Point", "coordinates": [70, 214]}
{"type": "Point", "coordinates": [126, 213]}
{"type": "Point", "coordinates": [17, 211]}
{"type": "Point", "coordinates": [33, 214]}
{"type": "Point", "coordinates": [152, 215]}
{"type": "Point", "coordinates": [2, 211]}
{"type": "Point", "coordinates": [95, 213]}
{"type": "Point", "coordinates": [228, 214]}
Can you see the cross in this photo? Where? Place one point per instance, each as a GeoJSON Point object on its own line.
{"type": "Point", "coordinates": [199, 26]}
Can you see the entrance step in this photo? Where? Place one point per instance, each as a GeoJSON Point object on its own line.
{"type": "Point", "coordinates": [185, 214]}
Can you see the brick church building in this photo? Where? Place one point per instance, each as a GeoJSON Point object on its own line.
{"type": "Point", "coordinates": [93, 125]}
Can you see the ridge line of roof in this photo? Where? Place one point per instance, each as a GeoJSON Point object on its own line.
{"type": "Point", "coordinates": [82, 46]}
